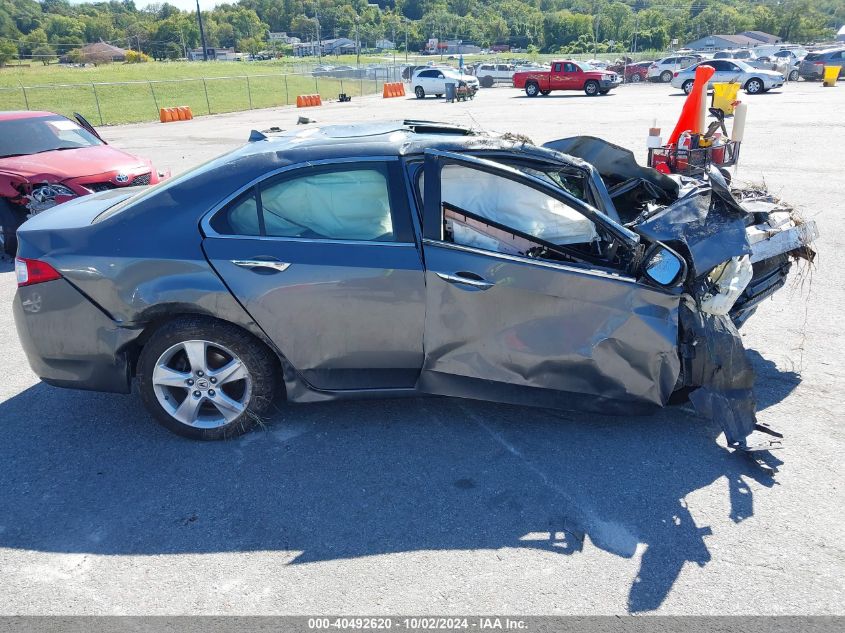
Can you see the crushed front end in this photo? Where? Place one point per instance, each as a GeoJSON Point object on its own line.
{"type": "Point", "coordinates": [739, 244]}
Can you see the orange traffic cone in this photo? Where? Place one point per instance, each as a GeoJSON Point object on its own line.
{"type": "Point", "coordinates": [690, 118]}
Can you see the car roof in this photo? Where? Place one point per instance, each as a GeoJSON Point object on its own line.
{"type": "Point", "coordinates": [11, 115]}
{"type": "Point", "coordinates": [384, 138]}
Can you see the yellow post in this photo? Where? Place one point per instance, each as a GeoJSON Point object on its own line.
{"type": "Point", "coordinates": [724, 96]}
{"type": "Point", "coordinates": [831, 73]}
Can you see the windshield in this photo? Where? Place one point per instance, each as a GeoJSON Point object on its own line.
{"type": "Point", "coordinates": [19, 137]}
{"type": "Point", "coordinates": [585, 66]}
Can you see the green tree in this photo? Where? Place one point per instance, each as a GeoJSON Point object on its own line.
{"type": "Point", "coordinates": [8, 52]}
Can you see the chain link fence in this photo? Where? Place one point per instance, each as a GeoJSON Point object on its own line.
{"type": "Point", "coordinates": [109, 103]}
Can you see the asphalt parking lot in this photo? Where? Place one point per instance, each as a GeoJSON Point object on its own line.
{"type": "Point", "coordinates": [444, 505]}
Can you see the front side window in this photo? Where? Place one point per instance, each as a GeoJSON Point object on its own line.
{"type": "Point", "coordinates": [509, 203]}
{"type": "Point", "coordinates": [314, 203]}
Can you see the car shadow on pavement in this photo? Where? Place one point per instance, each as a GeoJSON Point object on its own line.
{"type": "Point", "coordinates": [91, 473]}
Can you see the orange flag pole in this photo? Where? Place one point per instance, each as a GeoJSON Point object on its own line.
{"type": "Point", "coordinates": [691, 113]}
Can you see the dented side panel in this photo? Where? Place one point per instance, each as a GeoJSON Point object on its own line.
{"type": "Point", "coordinates": [599, 341]}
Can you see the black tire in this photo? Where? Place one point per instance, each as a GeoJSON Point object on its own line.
{"type": "Point", "coordinates": [545, 93]}
{"type": "Point", "coordinates": [687, 86]}
{"type": "Point", "coordinates": [754, 86]}
{"type": "Point", "coordinates": [419, 92]}
{"type": "Point", "coordinates": [486, 81]}
{"type": "Point", "coordinates": [793, 75]}
{"type": "Point", "coordinates": [438, 95]}
{"type": "Point", "coordinates": [9, 223]}
{"type": "Point", "coordinates": [636, 78]}
{"type": "Point", "coordinates": [666, 76]}
{"type": "Point", "coordinates": [591, 88]}
{"type": "Point", "coordinates": [604, 91]}
{"type": "Point", "coordinates": [532, 88]}
{"type": "Point", "coordinates": [260, 363]}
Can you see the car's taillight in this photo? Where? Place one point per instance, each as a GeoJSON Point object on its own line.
{"type": "Point", "coordinates": [33, 271]}
{"type": "Point", "coordinates": [818, 63]}
{"type": "Point", "coordinates": [676, 74]}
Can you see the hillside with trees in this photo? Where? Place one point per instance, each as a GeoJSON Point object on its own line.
{"type": "Point", "coordinates": [43, 30]}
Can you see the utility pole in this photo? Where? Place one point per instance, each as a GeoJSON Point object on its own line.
{"type": "Point", "coordinates": [319, 37]}
{"type": "Point", "coordinates": [202, 34]}
{"type": "Point", "coordinates": [406, 40]}
{"type": "Point", "coordinates": [357, 43]}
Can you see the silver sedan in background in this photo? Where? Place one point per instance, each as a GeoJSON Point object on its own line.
{"type": "Point", "coordinates": [753, 80]}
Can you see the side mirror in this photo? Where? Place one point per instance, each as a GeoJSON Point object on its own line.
{"type": "Point", "coordinates": [664, 267]}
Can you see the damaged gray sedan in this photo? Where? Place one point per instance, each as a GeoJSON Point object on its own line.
{"type": "Point", "coordinates": [406, 258]}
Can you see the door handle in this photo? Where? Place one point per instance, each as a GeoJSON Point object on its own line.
{"type": "Point", "coordinates": [275, 266]}
{"type": "Point", "coordinates": [468, 279]}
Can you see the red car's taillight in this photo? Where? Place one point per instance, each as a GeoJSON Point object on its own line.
{"type": "Point", "coordinates": [33, 271]}
{"type": "Point", "coordinates": [676, 74]}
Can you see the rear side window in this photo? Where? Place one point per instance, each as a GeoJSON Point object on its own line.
{"type": "Point", "coordinates": [670, 60]}
{"type": "Point", "coordinates": [557, 68]}
{"type": "Point", "coordinates": [812, 56]}
{"type": "Point", "coordinates": [335, 203]}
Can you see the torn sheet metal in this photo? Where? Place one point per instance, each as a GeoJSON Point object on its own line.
{"type": "Point", "coordinates": [715, 362]}
{"type": "Point", "coordinates": [711, 229]}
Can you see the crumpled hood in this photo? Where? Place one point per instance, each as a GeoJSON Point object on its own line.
{"type": "Point", "coordinates": [706, 219]}
{"type": "Point", "coordinates": [72, 163]}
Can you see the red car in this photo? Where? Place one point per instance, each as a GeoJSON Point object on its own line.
{"type": "Point", "coordinates": [47, 159]}
{"type": "Point", "coordinates": [566, 75]}
{"type": "Point", "coordinates": [633, 72]}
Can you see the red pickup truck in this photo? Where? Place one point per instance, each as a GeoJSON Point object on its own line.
{"type": "Point", "coordinates": [566, 75]}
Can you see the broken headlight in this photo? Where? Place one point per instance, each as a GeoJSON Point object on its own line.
{"type": "Point", "coordinates": [45, 196]}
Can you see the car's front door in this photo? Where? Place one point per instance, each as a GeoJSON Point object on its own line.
{"type": "Point", "coordinates": [506, 323]}
{"type": "Point", "coordinates": [324, 259]}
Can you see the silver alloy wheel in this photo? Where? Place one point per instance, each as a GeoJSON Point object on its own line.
{"type": "Point", "coordinates": [635, 78]}
{"type": "Point", "coordinates": [793, 76]}
{"type": "Point", "coordinates": [754, 86]}
{"type": "Point", "coordinates": [202, 384]}
{"type": "Point", "coordinates": [591, 88]}
{"type": "Point", "coordinates": [532, 89]}
{"type": "Point", "coordinates": [666, 77]}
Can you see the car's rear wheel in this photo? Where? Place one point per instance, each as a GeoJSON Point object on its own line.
{"type": "Point", "coordinates": [635, 78]}
{"type": "Point", "coordinates": [419, 92]}
{"type": "Point", "coordinates": [793, 76]}
{"type": "Point", "coordinates": [687, 87]}
{"type": "Point", "coordinates": [591, 88]}
{"type": "Point", "coordinates": [205, 379]}
{"type": "Point", "coordinates": [604, 91]}
{"type": "Point", "coordinates": [754, 86]}
{"type": "Point", "coordinates": [666, 76]}
{"type": "Point", "coordinates": [545, 93]}
{"type": "Point", "coordinates": [532, 89]}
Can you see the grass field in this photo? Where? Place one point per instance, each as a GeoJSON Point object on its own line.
{"type": "Point", "coordinates": [127, 93]}
{"type": "Point", "coordinates": [144, 88]}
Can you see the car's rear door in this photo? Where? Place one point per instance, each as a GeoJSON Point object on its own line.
{"type": "Point", "coordinates": [324, 258]}
{"type": "Point", "coordinates": [505, 326]}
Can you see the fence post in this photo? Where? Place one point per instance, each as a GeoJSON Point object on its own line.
{"type": "Point", "coordinates": [207, 102]}
{"type": "Point", "coordinates": [287, 99]}
{"type": "Point", "coordinates": [97, 100]}
{"type": "Point", "coordinates": [341, 86]}
{"type": "Point", "coordinates": [153, 92]}
{"type": "Point", "coordinates": [316, 87]}
{"type": "Point", "coordinates": [25, 98]}
{"type": "Point", "coordinates": [248, 92]}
